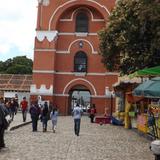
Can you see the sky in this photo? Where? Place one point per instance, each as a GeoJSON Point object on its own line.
{"type": "Point", "coordinates": [17, 28]}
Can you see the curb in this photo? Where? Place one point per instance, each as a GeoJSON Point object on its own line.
{"type": "Point", "coordinates": [147, 136]}
{"type": "Point", "coordinates": [18, 126]}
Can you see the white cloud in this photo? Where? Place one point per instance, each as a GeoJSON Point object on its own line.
{"type": "Point", "coordinates": [17, 27]}
{"type": "Point", "coordinates": [4, 48]}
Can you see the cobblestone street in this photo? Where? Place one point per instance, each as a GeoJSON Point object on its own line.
{"type": "Point", "coordinates": [95, 142]}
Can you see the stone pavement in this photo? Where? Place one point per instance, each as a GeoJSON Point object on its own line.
{"type": "Point", "coordinates": [106, 142]}
{"type": "Point", "coordinates": [18, 121]}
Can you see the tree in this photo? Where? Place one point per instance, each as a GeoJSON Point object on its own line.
{"type": "Point", "coordinates": [19, 69]}
{"type": "Point", "coordinates": [131, 39]}
{"type": "Point", "coordinates": [17, 65]}
{"type": "Point", "coordinates": [2, 68]}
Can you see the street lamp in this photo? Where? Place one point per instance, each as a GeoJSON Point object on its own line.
{"type": "Point", "coordinates": [110, 94]}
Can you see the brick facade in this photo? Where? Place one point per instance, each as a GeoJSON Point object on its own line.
{"type": "Point", "coordinates": [56, 44]}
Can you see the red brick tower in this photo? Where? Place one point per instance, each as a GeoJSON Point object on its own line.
{"type": "Point", "coordinates": [66, 52]}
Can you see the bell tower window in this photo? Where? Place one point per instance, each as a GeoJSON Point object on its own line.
{"type": "Point", "coordinates": [80, 62]}
{"type": "Point", "coordinates": [81, 22]}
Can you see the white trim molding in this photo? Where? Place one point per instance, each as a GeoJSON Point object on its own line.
{"type": "Point", "coordinates": [82, 8]}
{"type": "Point", "coordinates": [73, 73]}
{"type": "Point", "coordinates": [70, 45]}
{"type": "Point", "coordinates": [62, 52]}
{"type": "Point", "coordinates": [81, 34]}
{"type": "Point", "coordinates": [93, 51]}
{"type": "Point", "coordinates": [91, 96]}
{"type": "Point", "coordinates": [80, 79]}
{"type": "Point", "coordinates": [50, 35]}
{"type": "Point", "coordinates": [44, 2]}
{"type": "Point", "coordinates": [80, 74]}
{"type": "Point", "coordinates": [71, 1]}
{"type": "Point", "coordinates": [70, 20]}
{"type": "Point", "coordinates": [66, 34]}
{"type": "Point", "coordinates": [102, 6]}
{"type": "Point", "coordinates": [44, 71]}
{"type": "Point", "coordinates": [75, 34]}
{"type": "Point", "coordinates": [92, 34]}
{"type": "Point", "coordinates": [42, 90]}
{"type": "Point", "coordinates": [61, 95]}
{"type": "Point", "coordinates": [44, 50]}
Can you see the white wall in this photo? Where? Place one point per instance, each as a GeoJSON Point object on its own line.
{"type": "Point", "coordinates": [20, 95]}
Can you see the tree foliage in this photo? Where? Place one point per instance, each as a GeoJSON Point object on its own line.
{"type": "Point", "coordinates": [17, 65]}
{"type": "Point", "coordinates": [131, 40]}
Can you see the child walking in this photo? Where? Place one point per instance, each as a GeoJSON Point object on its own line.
{"type": "Point", "coordinates": [54, 117]}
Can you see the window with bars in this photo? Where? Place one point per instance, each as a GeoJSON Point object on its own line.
{"type": "Point", "coordinates": [81, 22]}
{"type": "Point", "coordinates": [80, 62]}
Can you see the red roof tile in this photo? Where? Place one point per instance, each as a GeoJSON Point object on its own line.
{"type": "Point", "coordinates": [15, 82]}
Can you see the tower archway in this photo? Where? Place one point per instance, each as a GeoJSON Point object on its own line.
{"type": "Point", "coordinates": [79, 94]}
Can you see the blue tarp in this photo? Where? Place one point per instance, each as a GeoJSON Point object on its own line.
{"type": "Point", "coordinates": [150, 88]}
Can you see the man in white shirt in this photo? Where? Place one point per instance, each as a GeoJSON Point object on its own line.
{"type": "Point", "coordinates": [77, 113]}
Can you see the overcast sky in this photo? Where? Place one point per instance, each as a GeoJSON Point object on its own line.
{"type": "Point", "coordinates": [17, 28]}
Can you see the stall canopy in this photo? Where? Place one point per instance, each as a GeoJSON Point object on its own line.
{"type": "Point", "coordinates": [147, 72]}
{"type": "Point", "coordinates": [149, 88]}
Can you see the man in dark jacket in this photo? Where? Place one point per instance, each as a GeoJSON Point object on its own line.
{"type": "Point", "coordinates": [3, 113]}
{"type": "Point", "coordinates": [44, 114]}
{"type": "Point", "coordinates": [35, 112]}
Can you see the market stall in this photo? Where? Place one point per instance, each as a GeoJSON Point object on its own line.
{"type": "Point", "coordinates": [147, 72]}
{"type": "Point", "coordinates": [122, 90]}
{"type": "Point", "coordinates": [135, 105]}
{"type": "Point", "coordinates": [149, 120]}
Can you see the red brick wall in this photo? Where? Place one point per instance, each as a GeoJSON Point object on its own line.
{"type": "Point", "coordinates": [54, 61]}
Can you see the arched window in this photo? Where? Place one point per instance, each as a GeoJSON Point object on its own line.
{"type": "Point", "coordinates": [81, 22]}
{"type": "Point", "coordinates": [80, 62]}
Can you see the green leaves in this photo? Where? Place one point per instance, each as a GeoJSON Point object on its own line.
{"type": "Point", "coordinates": [17, 65]}
{"type": "Point", "coordinates": [132, 34]}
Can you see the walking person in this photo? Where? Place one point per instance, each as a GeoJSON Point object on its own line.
{"type": "Point", "coordinates": [92, 113]}
{"type": "Point", "coordinates": [3, 113]}
{"type": "Point", "coordinates": [16, 104]}
{"type": "Point", "coordinates": [24, 107]}
{"type": "Point", "coordinates": [51, 107]}
{"type": "Point", "coordinates": [77, 113]}
{"type": "Point", "coordinates": [54, 117]}
{"type": "Point", "coordinates": [12, 109]}
{"type": "Point", "coordinates": [34, 112]}
{"type": "Point", "coordinates": [7, 105]}
{"type": "Point", "coordinates": [44, 116]}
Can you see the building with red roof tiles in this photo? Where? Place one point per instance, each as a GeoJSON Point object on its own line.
{"type": "Point", "coordinates": [15, 84]}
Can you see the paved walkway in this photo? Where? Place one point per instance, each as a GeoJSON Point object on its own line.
{"type": "Point", "coordinates": [95, 142]}
{"type": "Point", "coordinates": [18, 121]}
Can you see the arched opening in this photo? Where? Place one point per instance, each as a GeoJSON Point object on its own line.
{"type": "Point", "coordinates": [82, 22]}
{"type": "Point", "coordinates": [80, 62]}
{"type": "Point", "coordinates": [55, 16]}
{"type": "Point", "coordinates": [81, 95]}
